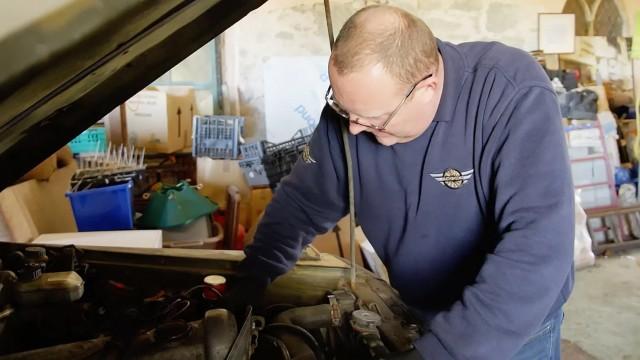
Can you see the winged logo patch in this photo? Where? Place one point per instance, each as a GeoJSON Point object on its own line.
{"type": "Point", "coordinates": [453, 178]}
{"type": "Point", "coordinates": [306, 155]}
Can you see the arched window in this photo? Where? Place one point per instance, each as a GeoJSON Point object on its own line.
{"type": "Point", "coordinates": [597, 18]}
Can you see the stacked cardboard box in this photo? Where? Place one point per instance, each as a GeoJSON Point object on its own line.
{"type": "Point", "coordinates": [160, 120]}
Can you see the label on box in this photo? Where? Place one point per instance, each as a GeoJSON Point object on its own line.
{"type": "Point", "coordinates": [585, 137]}
{"type": "Point", "coordinates": [147, 119]}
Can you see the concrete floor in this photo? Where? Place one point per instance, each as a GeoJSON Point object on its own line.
{"type": "Point", "coordinates": [602, 317]}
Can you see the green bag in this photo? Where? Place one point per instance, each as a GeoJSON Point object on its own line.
{"type": "Point", "coordinates": [177, 205]}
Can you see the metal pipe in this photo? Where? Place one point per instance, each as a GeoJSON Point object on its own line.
{"type": "Point", "coordinates": [308, 317]}
{"type": "Point", "coordinates": [77, 350]}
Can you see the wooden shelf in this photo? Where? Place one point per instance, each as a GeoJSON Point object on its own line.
{"type": "Point", "coordinates": [588, 158]}
{"type": "Point", "coordinates": [612, 211]}
{"type": "Point", "coordinates": [582, 186]}
{"type": "Point", "coordinates": [601, 249]}
{"type": "Point", "coordinates": [617, 217]}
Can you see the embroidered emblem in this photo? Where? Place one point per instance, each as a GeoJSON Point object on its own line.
{"type": "Point", "coordinates": [306, 155]}
{"type": "Point", "coordinates": [452, 178]}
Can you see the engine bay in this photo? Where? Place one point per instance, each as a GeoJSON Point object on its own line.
{"type": "Point", "coordinates": [63, 302]}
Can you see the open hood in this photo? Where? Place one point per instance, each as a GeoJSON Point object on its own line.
{"type": "Point", "coordinates": [62, 71]}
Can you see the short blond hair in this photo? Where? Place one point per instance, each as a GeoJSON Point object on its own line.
{"type": "Point", "coordinates": [405, 46]}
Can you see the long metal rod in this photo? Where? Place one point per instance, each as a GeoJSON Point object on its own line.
{"type": "Point", "coordinates": [327, 13]}
{"type": "Point", "coordinates": [347, 152]}
{"type": "Point", "coordinates": [352, 211]}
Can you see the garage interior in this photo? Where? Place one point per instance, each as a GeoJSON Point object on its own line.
{"type": "Point", "coordinates": [152, 136]}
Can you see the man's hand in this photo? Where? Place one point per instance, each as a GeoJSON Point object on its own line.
{"type": "Point", "coordinates": [245, 291]}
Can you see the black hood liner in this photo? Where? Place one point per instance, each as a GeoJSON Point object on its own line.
{"type": "Point", "coordinates": [66, 71]}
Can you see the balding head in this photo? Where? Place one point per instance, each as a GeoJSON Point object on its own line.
{"type": "Point", "coordinates": [391, 37]}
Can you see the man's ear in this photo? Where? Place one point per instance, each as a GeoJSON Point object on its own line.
{"type": "Point", "coordinates": [427, 84]}
{"type": "Point", "coordinates": [431, 82]}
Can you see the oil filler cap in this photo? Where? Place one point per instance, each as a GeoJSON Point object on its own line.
{"type": "Point", "coordinates": [35, 254]}
{"type": "Point", "coordinates": [365, 320]}
{"type": "Point", "coordinates": [31, 271]}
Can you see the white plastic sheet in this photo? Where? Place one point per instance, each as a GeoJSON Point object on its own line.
{"type": "Point", "coordinates": [582, 254]}
{"type": "Point", "coordinates": [294, 89]}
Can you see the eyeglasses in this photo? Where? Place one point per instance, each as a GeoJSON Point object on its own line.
{"type": "Point", "coordinates": [334, 105]}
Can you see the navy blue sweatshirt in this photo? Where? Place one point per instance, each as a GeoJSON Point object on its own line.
{"type": "Point", "coordinates": [474, 218]}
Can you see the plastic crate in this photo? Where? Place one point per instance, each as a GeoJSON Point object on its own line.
{"type": "Point", "coordinates": [295, 144]}
{"type": "Point", "coordinates": [279, 159]}
{"type": "Point", "coordinates": [105, 208]}
{"type": "Point", "coordinates": [91, 140]}
{"type": "Point", "coordinates": [251, 151]}
{"type": "Point", "coordinates": [217, 136]}
{"type": "Point", "coordinates": [254, 172]}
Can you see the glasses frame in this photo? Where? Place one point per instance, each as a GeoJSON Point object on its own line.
{"type": "Point", "coordinates": [340, 111]}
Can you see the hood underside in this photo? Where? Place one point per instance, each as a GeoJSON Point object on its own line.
{"type": "Point", "coordinates": [62, 72]}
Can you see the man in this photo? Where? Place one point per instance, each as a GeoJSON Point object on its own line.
{"type": "Point", "coordinates": [462, 185]}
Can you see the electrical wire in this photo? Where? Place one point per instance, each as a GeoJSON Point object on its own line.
{"type": "Point", "coordinates": [307, 337]}
{"type": "Point", "coordinates": [174, 309]}
{"type": "Point", "coordinates": [188, 292]}
{"type": "Point", "coordinates": [278, 344]}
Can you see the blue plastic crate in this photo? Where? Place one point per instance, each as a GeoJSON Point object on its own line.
{"type": "Point", "coordinates": [102, 209]}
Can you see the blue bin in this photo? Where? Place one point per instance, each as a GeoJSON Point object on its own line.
{"type": "Point", "coordinates": [102, 209]}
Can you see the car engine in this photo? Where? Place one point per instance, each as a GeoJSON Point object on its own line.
{"type": "Point", "coordinates": [62, 302]}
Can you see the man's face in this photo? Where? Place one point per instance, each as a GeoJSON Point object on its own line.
{"type": "Point", "coordinates": [371, 95]}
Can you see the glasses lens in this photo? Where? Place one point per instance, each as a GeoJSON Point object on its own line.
{"type": "Point", "coordinates": [340, 111]}
{"type": "Point", "coordinates": [336, 107]}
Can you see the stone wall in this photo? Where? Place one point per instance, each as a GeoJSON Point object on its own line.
{"type": "Point", "coordinates": [298, 28]}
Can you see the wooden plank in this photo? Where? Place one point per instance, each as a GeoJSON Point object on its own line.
{"type": "Point", "coordinates": [612, 247]}
{"type": "Point", "coordinates": [612, 211]}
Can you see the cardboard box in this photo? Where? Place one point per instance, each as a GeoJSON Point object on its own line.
{"type": "Point", "coordinates": [36, 207]}
{"type": "Point", "coordinates": [115, 125]}
{"type": "Point", "coordinates": [589, 172]}
{"type": "Point", "coordinates": [597, 196]}
{"type": "Point", "coordinates": [603, 103]}
{"type": "Point", "coordinates": [161, 120]}
{"type": "Point", "coordinates": [216, 175]}
{"type": "Point", "coordinates": [328, 242]}
{"type": "Point", "coordinates": [259, 199]}
{"type": "Point", "coordinates": [149, 239]}
{"type": "Point", "coordinates": [45, 169]}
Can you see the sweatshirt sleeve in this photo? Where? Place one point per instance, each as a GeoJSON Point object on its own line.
{"type": "Point", "coordinates": [521, 279]}
{"type": "Point", "coordinates": [308, 202]}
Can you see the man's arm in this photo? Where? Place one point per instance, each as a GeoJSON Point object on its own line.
{"type": "Point", "coordinates": [308, 202]}
{"type": "Point", "coordinates": [532, 198]}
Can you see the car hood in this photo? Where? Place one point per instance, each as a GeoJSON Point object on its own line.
{"type": "Point", "coordinates": [71, 64]}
